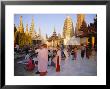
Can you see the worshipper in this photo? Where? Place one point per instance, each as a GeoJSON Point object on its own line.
{"type": "Point", "coordinates": [26, 48]}
{"type": "Point", "coordinates": [58, 60]}
{"type": "Point", "coordinates": [53, 62]}
{"type": "Point", "coordinates": [26, 59]}
{"type": "Point", "coordinates": [49, 57]}
{"type": "Point", "coordinates": [72, 54]}
{"type": "Point", "coordinates": [62, 52]}
{"type": "Point", "coordinates": [17, 48]}
{"type": "Point", "coordinates": [57, 65]}
{"type": "Point", "coordinates": [75, 53]}
{"type": "Point", "coordinates": [36, 59]}
{"type": "Point", "coordinates": [87, 52]}
{"type": "Point", "coordinates": [37, 50]}
{"type": "Point", "coordinates": [66, 54]}
{"type": "Point", "coordinates": [68, 50]}
{"type": "Point", "coordinates": [93, 54]}
{"type": "Point", "coordinates": [43, 60]}
{"type": "Point", "coordinates": [36, 64]}
{"type": "Point", "coordinates": [82, 51]}
{"type": "Point", "coordinates": [30, 65]}
{"type": "Point", "coordinates": [27, 56]}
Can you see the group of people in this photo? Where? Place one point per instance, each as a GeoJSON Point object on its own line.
{"type": "Point", "coordinates": [44, 57]}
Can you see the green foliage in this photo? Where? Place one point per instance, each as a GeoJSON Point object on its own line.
{"type": "Point", "coordinates": [22, 39]}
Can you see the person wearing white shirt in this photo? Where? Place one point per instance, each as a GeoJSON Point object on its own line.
{"type": "Point", "coordinates": [66, 54]}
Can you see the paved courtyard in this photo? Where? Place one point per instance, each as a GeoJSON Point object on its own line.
{"type": "Point", "coordinates": [79, 67]}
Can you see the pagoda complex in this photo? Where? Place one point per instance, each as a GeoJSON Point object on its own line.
{"type": "Point", "coordinates": [26, 37]}
{"type": "Point", "coordinates": [68, 30]}
{"type": "Point", "coordinates": [80, 20]}
{"type": "Point", "coordinates": [54, 40]}
{"type": "Point", "coordinates": [21, 37]}
{"type": "Point", "coordinates": [86, 33]}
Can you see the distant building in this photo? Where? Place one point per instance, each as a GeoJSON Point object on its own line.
{"type": "Point", "coordinates": [81, 27]}
{"type": "Point", "coordinates": [20, 37]}
{"type": "Point", "coordinates": [54, 40]}
{"type": "Point", "coordinates": [80, 19]}
{"type": "Point", "coordinates": [87, 33]}
{"type": "Point", "coordinates": [27, 37]}
{"type": "Point", "coordinates": [68, 30]}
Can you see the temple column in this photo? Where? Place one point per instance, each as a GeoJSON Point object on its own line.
{"type": "Point", "coordinates": [93, 41]}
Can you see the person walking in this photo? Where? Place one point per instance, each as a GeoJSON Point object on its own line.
{"type": "Point", "coordinates": [72, 54]}
{"type": "Point", "coordinates": [82, 51]}
{"type": "Point", "coordinates": [66, 54]}
{"type": "Point", "coordinates": [49, 57]}
{"type": "Point", "coordinates": [58, 60]}
{"type": "Point", "coordinates": [36, 59]}
{"type": "Point", "coordinates": [75, 53]}
{"type": "Point", "coordinates": [43, 60]}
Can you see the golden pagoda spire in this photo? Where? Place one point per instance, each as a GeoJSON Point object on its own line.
{"type": "Point", "coordinates": [32, 26]}
{"type": "Point", "coordinates": [39, 31]}
{"type": "Point", "coordinates": [54, 32]}
{"type": "Point", "coordinates": [21, 23]}
{"type": "Point", "coordinates": [54, 29]}
{"type": "Point", "coordinates": [68, 30]}
{"type": "Point", "coordinates": [26, 29]}
{"type": "Point", "coordinates": [80, 20]}
{"type": "Point", "coordinates": [32, 20]}
{"type": "Point", "coordinates": [21, 28]}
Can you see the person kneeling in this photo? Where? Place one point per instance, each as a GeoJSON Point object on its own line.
{"type": "Point", "coordinates": [30, 65]}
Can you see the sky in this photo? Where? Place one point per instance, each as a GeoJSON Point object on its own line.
{"type": "Point", "coordinates": [47, 22]}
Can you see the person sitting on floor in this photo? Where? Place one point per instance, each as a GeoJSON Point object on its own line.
{"type": "Point", "coordinates": [30, 65]}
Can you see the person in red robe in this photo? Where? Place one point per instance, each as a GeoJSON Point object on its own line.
{"type": "Point", "coordinates": [30, 65]}
{"type": "Point", "coordinates": [58, 60]}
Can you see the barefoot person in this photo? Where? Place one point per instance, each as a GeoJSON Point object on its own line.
{"type": "Point", "coordinates": [72, 54]}
{"type": "Point", "coordinates": [43, 60]}
{"type": "Point", "coordinates": [58, 60]}
{"type": "Point", "coordinates": [30, 64]}
{"type": "Point", "coordinates": [66, 54]}
{"type": "Point", "coordinates": [75, 53]}
{"type": "Point", "coordinates": [82, 51]}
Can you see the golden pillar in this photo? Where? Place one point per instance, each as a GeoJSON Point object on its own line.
{"type": "Point", "coordinates": [87, 41]}
{"type": "Point", "coordinates": [93, 41]}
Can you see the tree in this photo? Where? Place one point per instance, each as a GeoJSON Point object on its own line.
{"type": "Point", "coordinates": [15, 29]}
